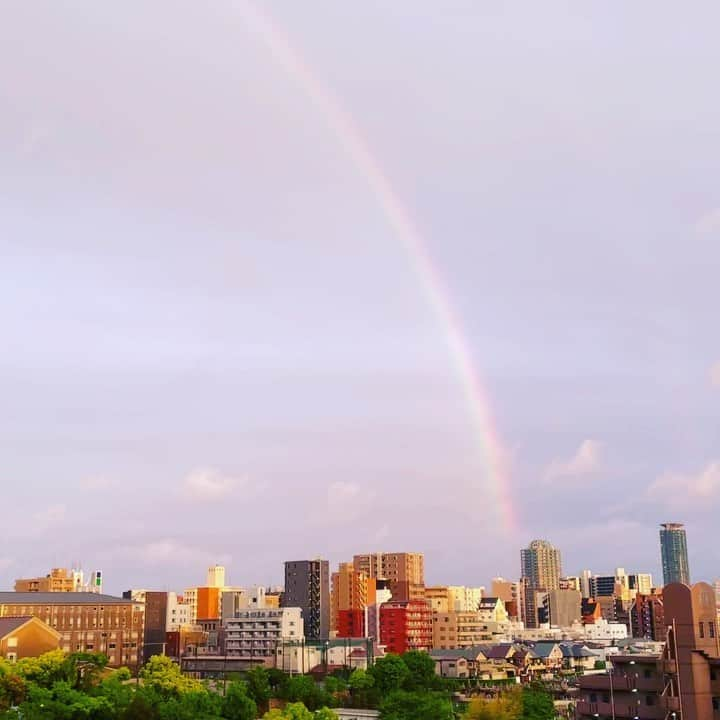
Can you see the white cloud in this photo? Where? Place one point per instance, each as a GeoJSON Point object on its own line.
{"type": "Point", "coordinates": [49, 517]}
{"type": "Point", "coordinates": [676, 489]}
{"type": "Point", "coordinates": [715, 375]}
{"type": "Point", "coordinates": [585, 461]}
{"type": "Point", "coordinates": [709, 223]}
{"type": "Point", "coordinates": [208, 485]}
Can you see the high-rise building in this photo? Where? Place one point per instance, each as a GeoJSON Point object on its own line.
{"type": "Point", "coordinates": [406, 626]}
{"type": "Point", "coordinates": [156, 614]}
{"type": "Point", "coordinates": [307, 586]}
{"type": "Point", "coordinates": [405, 572]}
{"type": "Point", "coordinates": [564, 607]}
{"type": "Point", "coordinates": [673, 550]}
{"type": "Point", "coordinates": [351, 591]}
{"type": "Point", "coordinates": [540, 570]}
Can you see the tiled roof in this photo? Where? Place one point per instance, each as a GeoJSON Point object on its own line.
{"type": "Point", "coordinates": [59, 598]}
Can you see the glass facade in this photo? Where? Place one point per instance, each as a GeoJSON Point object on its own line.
{"type": "Point", "coordinates": [673, 549]}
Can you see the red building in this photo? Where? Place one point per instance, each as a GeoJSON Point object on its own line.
{"type": "Point", "coordinates": [406, 626]}
{"type": "Point", "coordinates": [351, 623]}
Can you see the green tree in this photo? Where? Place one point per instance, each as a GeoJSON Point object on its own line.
{"type": "Point", "coordinates": [164, 676]}
{"type": "Point", "coordinates": [303, 689]}
{"type": "Point", "coordinates": [422, 671]}
{"type": "Point", "coordinates": [537, 704]}
{"type": "Point", "coordinates": [360, 680]}
{"type": "Point", "coordinates": [403, 705]}
{"type": "Point", "coordinates": [507, 706]}
{"type": "Point", "coordinates": [237, 703]}
{"type": "Point", "coordinates": [389, 673]}
{"type": "Point", "coordinates": [325, 714]}
{"type": "Point", "coordinates": [293, 711]}
{"type": "Point", "coordinates": [258, 686]}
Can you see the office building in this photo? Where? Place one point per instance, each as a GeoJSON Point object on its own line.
{"type": "Point", "coordinates": [564, 607]}
{"type": "Point", "coordinates": [216, 577]}
{"type": "Point", "coordinates": [405, 572]}
{"type": "Point", "coordinates": [155, 608]}
{"type": "Point", "coordinates": [307, 586]}
{"type": "Point", "coordinates": [87, 622]}
{"type": "Point", "coordinates": [61, 580]}
{"type": "Point", "coordinates": [674, 555]}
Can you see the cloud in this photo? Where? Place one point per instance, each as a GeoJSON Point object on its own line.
{"type": "Point", "coordinates": [209, 485]}
{"type": "Point", "coordinates": [709, 223]}
{"type": "Point", "coordinates": [715, 375]}
{"type": "Point", "coordinates": [676, 489]}
{"type": "Point", "coordinates": [49, 517]}
{"type": "Point", "coordinates": [95, 482]}
{"type": "Point", "coordinates": [585, 461]}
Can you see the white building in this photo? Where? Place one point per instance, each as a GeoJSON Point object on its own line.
{"type": "Point", "coordinates": [258, 633]}
{"type": "Point", "coordinates": [464, 599]}
{"type": "Point", "coordinates": [216, 576]}
{"type": "Point", "coordinates": [178, 613]}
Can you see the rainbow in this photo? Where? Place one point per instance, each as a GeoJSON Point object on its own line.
{"type": "Point", "coordinates": [352, 141]}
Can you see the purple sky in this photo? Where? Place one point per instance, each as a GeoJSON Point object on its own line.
{"type": "Point", "coordinates": [214, 348]}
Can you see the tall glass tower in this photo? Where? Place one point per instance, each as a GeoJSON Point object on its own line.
{"type": "Point", "coordinates": [673, 549]}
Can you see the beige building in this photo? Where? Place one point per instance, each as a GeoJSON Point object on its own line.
{"type": "Point", "coordinates": [405, 572]}
{"type": "Point", "coordinates": [85, 621]}
{"type": "Point", "coordinates": [458, 630]}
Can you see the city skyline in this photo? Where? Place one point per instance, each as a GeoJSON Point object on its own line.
{"type": "Point", "coordinates": [389, 299]}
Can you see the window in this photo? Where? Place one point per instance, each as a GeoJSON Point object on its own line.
{"type": "Point", "coordinates": [702, 629]}
{"type": "Point", "coordinates": [649, 699]}
{"type": "Point", "coordinates": [711, 629]}
{"type": "Point", "coordinates": [647, 673]}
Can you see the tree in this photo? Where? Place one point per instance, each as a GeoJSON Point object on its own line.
{"type": "Point", "coordinates": [422, 670]}
{"type": "Point", "coordinates": [258, 686]}
{"type": "Point", "coordinates": [325, 714]}
{"type": "Point", "coordinates": [237, 704]}
{"type": "Point", "coordinates": [389, 673]}
{"type": "Point", "coordinates": [403, 705]}
{"type": "Point", "coordinates": [303, 689]}
{"type": "Point", "coordinates": [360, 680]}
{"type": "Point", "coordinates": [537, 704]}
{"type": "Point", "coordinates": [293, 711]}
{"type": "Point", "coordinates": [503, 707]}
{"type": "Point", "coordinates": [163, 675]}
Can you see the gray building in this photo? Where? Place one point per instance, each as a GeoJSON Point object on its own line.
{"type": "Point", "coordinates": [540, 571]}
{"type": "Point", "coordinates": [673, 550]}
{"type": "Point", "coordinates": [564, 607]}
{"type": "Point", "coordinates": [307, 586]}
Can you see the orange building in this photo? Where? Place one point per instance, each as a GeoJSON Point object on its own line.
{"type": "Point", "coordinates": [22, 637]}
{"type": "Point", "coordinates": [351, 592]}
{"type": "Point", "coordinates": [208, 603]}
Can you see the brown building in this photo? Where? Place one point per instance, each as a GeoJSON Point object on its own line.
{"type": "Point", "coordinates": [683, 683]}
{"type": "Point", "coordinates": [453, 630]}
{"type": "Point", "coordinates": [405, 572]}
{"type": "Point", "coordinates": [86, 621]}
{"type": "Point", "coordinates": [22, 637]}
{"type": "Point", "coordinates": [647, 617]}
{"type": "Point", "coordinates": [57, 580]}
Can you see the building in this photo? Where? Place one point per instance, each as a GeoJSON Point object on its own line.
{"type": "Point", "coordinates": [22, 637]}
{"type": "Point", "coordinates": [647, 617]}
{"type": "Point", "coordinates": [307, 586]}
{"type": "Point", "coordinates": [459, 630]}
{"type": "Point", "coordinates": [674, 555]}
{"type": "Point", "coordinates": [683, 683]}
{"type": "Point", "coordinates": [259, 633]}
{"type": "Point", "coordinates": [406, 625]}
{"type": "Point", "coordinates": [178, 613]}
{"type": "Point", "coordinates": [564, 607]}
{"type": "Point", "coordinates": [87, 622]}
{"type": "Point", "coordinates": [405, 572]}
{"type": "Point", "coordinates": [61, 580]}
{"type": "Point", "coordinates": [156, 612]}
{"type": "Point", "coordinates": [216, 577]}
{"type": "Point", "coordinates": [464, 599]}
{"type": "Point", "coordinates": [372, 612]}
{"type": "Point", "coordinates": [540, 571]}
{"type": "Point", "coordinates": [509, 592]}
{"type": "Point", "coordinates": [641, 583]}
{"type": "Point", "coordinates": [350, 593]}
{"type": "Point", "coordinates": [232, 601]}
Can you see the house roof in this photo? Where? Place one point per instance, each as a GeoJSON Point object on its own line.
{"type": "Point", "coordinates": [61, 598]}
{"type": "Point", "coordinates": [543, 649]}
{"type": "Point", "coordinates": [468, 653]}
{"type": "Point", "coordinates": [10, 625]}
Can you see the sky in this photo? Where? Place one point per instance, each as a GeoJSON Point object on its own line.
{"type": "Point", "coordinates": [217, 344]}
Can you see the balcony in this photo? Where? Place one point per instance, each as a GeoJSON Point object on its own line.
{"type": "Point", "coordinates": [586, 709]}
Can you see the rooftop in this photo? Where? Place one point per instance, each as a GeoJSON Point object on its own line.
{"type": "Point", "coordinates": [60, 598]}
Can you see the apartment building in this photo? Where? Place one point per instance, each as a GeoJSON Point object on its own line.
{"type": "Point", "coordinates": [351, 592]}
{"type": "Point", "coordinates": [459, 630]}
{"type": "Point", "coordinates": [406, 625]}
{"type": "Point", "coordinates": [258, 633]}
{"type": "Point", "coordinates": [86, 621]}
{"type": "Point", "coordinates": [405, 572]}
{"type": "Point", "coordinates": [307, 586]}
